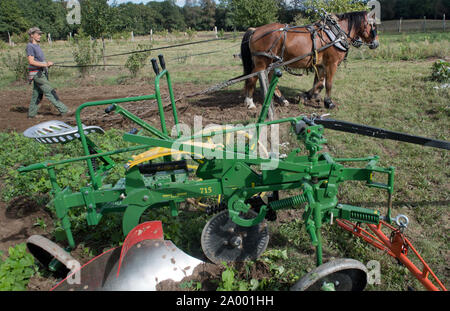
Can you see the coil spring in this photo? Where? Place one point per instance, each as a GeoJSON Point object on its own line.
{"type": "Point", "coordinates": [289, 202]}
{"type": "Point", "coordinates": [364, 217]}
{"type": "Point", "coordinates": [216, 208]}
{"type": "Point", "coordinates": [93, 160]}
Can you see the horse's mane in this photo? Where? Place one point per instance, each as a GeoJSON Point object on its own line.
{"type": "Point", "coordinates": [355, 19]}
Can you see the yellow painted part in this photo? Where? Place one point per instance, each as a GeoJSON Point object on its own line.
{"type": "Point", "coordinates": [228, 137]}
{"type": "Point", "coordinates": [152, 154]}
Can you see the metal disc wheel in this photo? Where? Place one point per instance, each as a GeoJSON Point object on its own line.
{"type": "Point", "coordinates": [337, 275]}
{"type": "Point", "coordinates": [46, 251]}
{"type": "Point", "coordinates": [223, 240]}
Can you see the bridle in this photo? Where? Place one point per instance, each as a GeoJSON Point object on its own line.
{"type": "Point", "coordinates": [357, 42]}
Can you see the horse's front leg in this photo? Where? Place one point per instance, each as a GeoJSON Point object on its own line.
{"type": "Point", "coordinates": [250, 84]}
{"type": "Point", "coordinates": [330, 71]}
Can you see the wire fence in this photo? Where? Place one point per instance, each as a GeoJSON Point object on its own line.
{"type": "Point", "coordinates": [414, 25]}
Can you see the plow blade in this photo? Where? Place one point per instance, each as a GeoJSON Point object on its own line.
{"type": "Point", "coordinates": [144, 260]}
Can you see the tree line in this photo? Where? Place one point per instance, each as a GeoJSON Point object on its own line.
{"type": "Point", "coordinates": [99, 19]}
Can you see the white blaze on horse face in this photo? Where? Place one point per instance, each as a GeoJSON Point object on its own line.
{"type": "Point", "coordinates": [249, 102]}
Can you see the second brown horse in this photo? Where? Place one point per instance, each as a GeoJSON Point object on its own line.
{"type": "Point", "coordinates": [321, 47]}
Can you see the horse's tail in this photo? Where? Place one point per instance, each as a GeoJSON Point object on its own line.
{"type": "Point", "coordinates": [246, 54]}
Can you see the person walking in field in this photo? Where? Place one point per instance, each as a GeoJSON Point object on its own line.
{"type": "Point", "coordinates": [38, 74]}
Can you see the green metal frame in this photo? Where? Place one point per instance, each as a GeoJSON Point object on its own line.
{"type": "Point", "coordinates": [231, 176]}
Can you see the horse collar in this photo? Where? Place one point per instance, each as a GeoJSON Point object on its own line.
{"type": "Point", "coordinates": [335, 33]}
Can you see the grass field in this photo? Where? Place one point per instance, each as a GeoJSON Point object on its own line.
{"type": "Point", "coordinates": [388, 88]}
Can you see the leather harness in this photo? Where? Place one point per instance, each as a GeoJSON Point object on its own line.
{"type": "Point", "coordinates": [334, 32]}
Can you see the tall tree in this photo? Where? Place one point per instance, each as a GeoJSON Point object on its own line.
{"type": "Point", "coordinates": [208, 14]}
{"type": "Point", "coordinates": [11, 18]}
{"type": "Point", "coordinates": [224, 15]}
{"type": "Point", "coordinates": [138, 18]}
{"type": "Point", "coordinates": [48, 15]}
{"type": "Point", "coordinates": [96, 20]}
{"type": "Point", "coordinates": [253, 13]}
{"type": "Point", "coordinates": [192, 14]}
{"type": "Point", "coordinates": [313, 7]}
{"type": "Point", "coordinates": [171, 15]}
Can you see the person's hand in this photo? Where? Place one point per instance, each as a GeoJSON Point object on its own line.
{"type": "Point", "coordinates": [49, 64]}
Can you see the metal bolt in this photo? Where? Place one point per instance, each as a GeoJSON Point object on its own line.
{"type": "Point", "coordinates": [145, 198]}
{"type": "Point", "coordinates": [236, 241]}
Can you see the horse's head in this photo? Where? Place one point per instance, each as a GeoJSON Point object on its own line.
{"type": "Point", "coordinates": [360, 26]}
{"type": "Point", "coordinates": [368, 33]}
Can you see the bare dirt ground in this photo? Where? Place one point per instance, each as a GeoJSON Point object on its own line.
{"type": "Point", "coordinates": [219, 107]}
{"type": "Point", "coordinates": [19, 218]}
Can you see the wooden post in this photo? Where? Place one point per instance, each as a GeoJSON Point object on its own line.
{"type": "Point", "coordinates": [215, 31]}
{"type": "Point", "coordinates": [400, 25]}
{"type": "Point", "coordinates": [103, 52]}
{"type": "Point", "coordinates": [424, 24]}
{"type": "Point", "coordinates": [9, 39]}
{"type": "Point", "coordinates": [49, 38]}
{"type": "Point", "coordinates": [132, 36]}
{"type": "Point", "coordinates": [443, 21]}
{"type": "Point", "coordinates": [151, 35]}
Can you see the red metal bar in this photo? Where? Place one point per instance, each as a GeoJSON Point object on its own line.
{"type": "Point", "coordinates": [396, 247]}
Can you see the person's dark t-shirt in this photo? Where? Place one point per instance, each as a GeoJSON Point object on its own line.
{"type": "Point", "coordinates": [36, 51]}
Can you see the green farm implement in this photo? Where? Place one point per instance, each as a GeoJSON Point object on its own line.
{"type": "Point", "coordinates": [247, 184]}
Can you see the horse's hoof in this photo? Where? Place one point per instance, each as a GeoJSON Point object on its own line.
{"type": "Point", "coordinates": [249, 103]}
{"type": "Point", "coordinates": [330, 106]}
{"type": "Point", "coordinates": [328, 103]}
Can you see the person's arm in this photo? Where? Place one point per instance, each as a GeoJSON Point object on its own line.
{"type": "Point", "coordinates": [35, 63]}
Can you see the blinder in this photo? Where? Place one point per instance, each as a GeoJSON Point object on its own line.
{"type": "Point", "coordinates": [373, 31]}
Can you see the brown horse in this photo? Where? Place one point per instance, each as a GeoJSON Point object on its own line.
{"type": "Point", "coordinates": [320, 47]}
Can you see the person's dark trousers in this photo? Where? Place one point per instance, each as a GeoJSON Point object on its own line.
{"type": "Point", "coordinates": [41, 86]}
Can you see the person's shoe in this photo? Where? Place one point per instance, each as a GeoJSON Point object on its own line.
{"type": "Point", "coordinates": [38, 116]}
{"type": "Point", "coordinates": [68, 112]}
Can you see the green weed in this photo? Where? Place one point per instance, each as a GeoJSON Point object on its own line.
{"type": "Point", "coordinates": [17, 63]}
{"type": "Point", "coordinates": [229, 282]}
{"type": "Point", "coordinates": [441, 71]}
{"type": "Point", "coordinates": [137, 61]}
{"type": "Point", "coordinates": [16, 269]}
